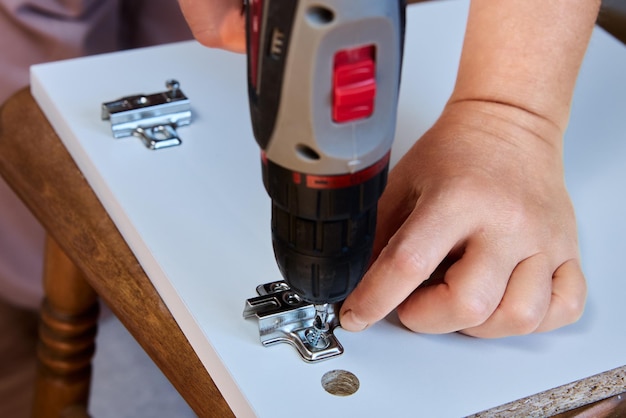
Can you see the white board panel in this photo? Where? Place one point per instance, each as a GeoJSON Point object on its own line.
{"type": "Point", "coordinates": [197, 218]}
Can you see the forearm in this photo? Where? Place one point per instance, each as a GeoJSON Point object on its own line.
{"type": "Point", "coordinates": [525, 54]}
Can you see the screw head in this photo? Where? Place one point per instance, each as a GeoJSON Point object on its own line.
{"type": "Point", "coordinates": [172, 84]}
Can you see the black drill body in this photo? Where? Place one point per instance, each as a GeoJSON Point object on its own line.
{"type": "Point", "coordinates": [323, 80]}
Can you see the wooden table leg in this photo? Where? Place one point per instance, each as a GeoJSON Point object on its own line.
{"type": "Point", "coordinates": [67, 334]}
{"type": "Point", "coordinates": [53, 188]}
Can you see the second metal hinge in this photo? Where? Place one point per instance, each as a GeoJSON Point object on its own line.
{"type": "Point", "coordinates": [153, 118]}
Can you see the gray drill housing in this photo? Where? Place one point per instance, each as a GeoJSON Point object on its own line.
{"type": "Point", "coordinates": [304, 118]}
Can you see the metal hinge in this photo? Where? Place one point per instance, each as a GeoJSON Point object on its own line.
{"type": "Point", "coordinates": [285, 318]}
{"type": "Point", "coordinates": [151, 117]}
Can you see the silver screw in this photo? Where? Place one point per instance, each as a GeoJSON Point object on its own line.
{"type": "Point", "coordinates": [173, 86]}
{"type": "Point", "coordinates": [315, 335]}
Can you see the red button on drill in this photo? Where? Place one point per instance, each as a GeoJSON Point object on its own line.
{"type": "Point", "coordinates": [354, 84]}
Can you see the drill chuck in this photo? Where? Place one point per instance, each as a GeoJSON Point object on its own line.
{"type": "Point", "coordinates": [323, 227]}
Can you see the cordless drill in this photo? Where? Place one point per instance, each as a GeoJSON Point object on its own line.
{"type": "Point", "coordinates": [323, 81]}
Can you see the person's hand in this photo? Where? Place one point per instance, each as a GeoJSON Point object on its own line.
{"type": "Point", "coordinates": [216, 23]}
{"type": "Point", "coordinates": [483, 194]}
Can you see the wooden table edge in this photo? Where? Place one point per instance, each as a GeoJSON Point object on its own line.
{"type": "Point", "coordinates": [36, 165]}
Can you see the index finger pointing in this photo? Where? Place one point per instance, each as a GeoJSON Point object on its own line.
{"type": "Point", "coordinates": [410, 257]}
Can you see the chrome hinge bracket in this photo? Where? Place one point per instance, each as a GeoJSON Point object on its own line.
{"type": "Point", "coordinates": [151, 117]}
{"type": "Point", "coordinates": [285, 318]}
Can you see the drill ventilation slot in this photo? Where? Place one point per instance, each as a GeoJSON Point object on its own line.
{"type": "Point", "coordinates": [285, 318]}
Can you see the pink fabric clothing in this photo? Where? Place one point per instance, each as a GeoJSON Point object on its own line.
{"type": "Point", "coordinates": [36, 31]}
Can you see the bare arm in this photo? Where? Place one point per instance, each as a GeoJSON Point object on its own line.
{"type": "Point", "coordinates": [526, 54]}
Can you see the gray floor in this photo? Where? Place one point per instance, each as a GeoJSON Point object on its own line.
{"type": "Point", "coordinates": [126, 383]}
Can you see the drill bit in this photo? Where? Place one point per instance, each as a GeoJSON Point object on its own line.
{"type": "Point", "coordinates": [320, 326]}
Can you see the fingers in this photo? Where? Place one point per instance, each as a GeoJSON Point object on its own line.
{"type": "Point", "coordinates": [524, 304]}
{"type": "Point", "coordinates": [534, 300]}
{"type": "Point", "coordinates": [410, 256]}
{"type": "Point", "coordinates": [216, 24]}
{"type": "Point", "coordinates": [481, 294]}
{"type": "Point", "coordinates": [468, 296]}
{"type": "Point", "coordinates": [569, 293]}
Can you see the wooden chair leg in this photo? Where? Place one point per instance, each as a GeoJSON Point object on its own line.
{"type": "Point", "coordinates": [67, 334]}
